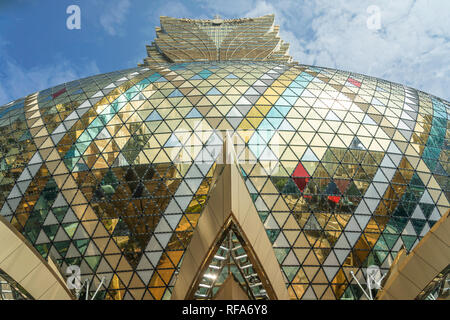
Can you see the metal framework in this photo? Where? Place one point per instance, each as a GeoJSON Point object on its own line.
{"type": "Point", "coordinates": [231, 259]}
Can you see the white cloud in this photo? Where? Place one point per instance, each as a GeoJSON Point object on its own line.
{"type": "Point", "coordinates": [174, 9]}
{"type": "Point", "coordinates": [114, 15]}
{"type": "Point", "coordinates": [17, 82]}
{"type": "Point", "coordinates": [412, 47]}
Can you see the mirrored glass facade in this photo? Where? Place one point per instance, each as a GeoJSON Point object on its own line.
{"type": "Point", "coordinates": [111, 172]}
{"type": "Point", "coordinates": [439, 288]}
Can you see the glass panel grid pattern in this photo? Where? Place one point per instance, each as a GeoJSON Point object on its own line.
{"type": "Point", "coordinates": [111, 172]}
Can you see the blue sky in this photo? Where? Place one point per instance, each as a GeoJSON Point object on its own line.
{"type": "Point", "coordinates": [411, 45]}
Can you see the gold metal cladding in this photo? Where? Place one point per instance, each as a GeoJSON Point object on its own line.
{"type": "Point", "coordinates": [184, 40]}
{"type": "Point", "coordinates": [230, 290]}
{"type": "Point", "coordinates": [410, 273]}
{"type": "Point", "coordinates": [25, 265]}
{"type": "Point", "coordinates": [229, 203]}
{"type": "Point", "coordinates": [232, 225]}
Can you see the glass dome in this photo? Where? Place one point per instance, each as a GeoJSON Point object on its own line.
{"type": "Point", "coordinates": [111, 172]}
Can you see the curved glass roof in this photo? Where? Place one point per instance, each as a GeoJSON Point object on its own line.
{"type": "Point", "coordinates": [111, 172]}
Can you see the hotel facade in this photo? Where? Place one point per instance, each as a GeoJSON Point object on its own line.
{"type": "Point", "coordinates": [220, 168]}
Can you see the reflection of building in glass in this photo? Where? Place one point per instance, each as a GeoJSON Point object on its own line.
{"type": "Point", "coordinates": [439, 288]}
{"type": "Point", "coordinates": [11, 290]}
{"type": "Point", "coordinates": [115, 173]}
